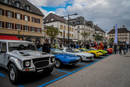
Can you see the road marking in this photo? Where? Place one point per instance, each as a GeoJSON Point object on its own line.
{"type": "Point", "coordinates": [82, 63]}
{"type": "Point", "coordinates": [20, 86]}
{"type": "Point", "coordinates": [62, 71]}
{"type": "Point", "coordinates": [2, 75]}
{"type": "Point", "coordinates": [70, 73]}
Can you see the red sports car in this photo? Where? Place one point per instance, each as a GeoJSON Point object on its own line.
{"type": "Point", "coordinates": [110, 50]}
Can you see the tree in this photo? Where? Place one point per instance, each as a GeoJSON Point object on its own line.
{"type": "Point", "coordinates": [111, 40]}
{"type": "Point", "coordinates": [85, 35]}
{"type": "Point", "coordinates": [98, 37]}
{"type": "Point", "coordinates": [52, 32]}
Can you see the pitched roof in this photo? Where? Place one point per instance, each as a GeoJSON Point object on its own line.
{"type": "Point", "coordinates": [23, 4]}
{"type": "Point", "coordinates": [97, 28]}
{"type": "Point", "coordinates": [77, 21]}
{"type": "Point", "coordinates": [53, 17]}
{"type": "Point", "coordinates": [120, 30]}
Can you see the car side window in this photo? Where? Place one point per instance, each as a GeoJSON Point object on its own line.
{"type": "Point", "coordinates": [3, 47]}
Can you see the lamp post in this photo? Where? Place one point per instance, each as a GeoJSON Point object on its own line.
{"type": "Point", "coordinates": [68, 16]}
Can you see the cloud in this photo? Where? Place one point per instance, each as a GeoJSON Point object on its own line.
{"type": "Point", "coordinates": [105, 13]}
{"type": "Point", "coordinates": [49, 3]}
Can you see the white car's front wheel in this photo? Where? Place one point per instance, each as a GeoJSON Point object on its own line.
{"type": "Point", "coordinates": [14, 74]}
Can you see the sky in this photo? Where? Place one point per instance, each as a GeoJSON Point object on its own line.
{"type": "Point", "coordinates": [104, 13]}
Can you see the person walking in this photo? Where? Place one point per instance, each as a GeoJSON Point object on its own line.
{"type": "Point", "coordinates": [46, 47]}
{"type": "Point", "coordinates": [124, 48]}
{"type": "Point", "coordinates": [105, 46]}
{"type": "Point", "coordinates": [115, 48]}
{"type": "Point", "coordinates": [120, 48]}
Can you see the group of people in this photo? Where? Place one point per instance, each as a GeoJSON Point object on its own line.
{"type": "Point", "coordinates": [121, 48]}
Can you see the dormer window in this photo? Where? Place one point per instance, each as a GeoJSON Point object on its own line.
{"type": "Point", "coordinates": [17, 4]}
{"type": "Point", "coordinates": [27, 8]}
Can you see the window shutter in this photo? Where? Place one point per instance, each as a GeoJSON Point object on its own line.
{"type": "Point", "coordinates": [35, 29]}
{"type": "Point", "coordinates": [28, 18]}
{"type": "Point", "coordinates": [6, 25]}
{"type": "Point", "coordinates": [12, 25]}
{"type": "Point", "coordinates": [13, 14]}
{"type": "Point", "coordinates": [3, 24]}
{"type": "Point", "coordinates": [6, 13]}
{"type": "Point", "coordinates": [21, 27]}
{"type": "Point", "coordinates": [3, 12]}
{"type": "Point", "coordinates": [40, 30]}
{"type": "Point", "coordinates": [15, 26]}
{"type": "Point", "coordinates": [21, 16]}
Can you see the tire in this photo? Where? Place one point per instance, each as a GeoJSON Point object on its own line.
{"type": "Point", "coordinates": [58, 64]}
{"type": "Point", "coordinates": [14, 74]}
{"type": "Point", "coordinates": [49, 70]}
{"type": "Point", "coordinates": [94, 55]}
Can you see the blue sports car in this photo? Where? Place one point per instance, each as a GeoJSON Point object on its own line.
{"type": "Point", "coordinates": [66, 59]}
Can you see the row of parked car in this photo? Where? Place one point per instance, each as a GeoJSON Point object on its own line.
{"type": "Point", "coordinates": [20, 57]}
{"type": "Point", "coordinates": [71, 56]}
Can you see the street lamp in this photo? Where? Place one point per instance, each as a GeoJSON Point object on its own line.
{"type": "Point", "coordinates": [68, 24]}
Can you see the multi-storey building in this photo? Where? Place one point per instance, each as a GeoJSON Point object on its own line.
{"type": "Point", "coordinates": [20, 18]}
{"type": "Point", "coordinates": [81, 25]}
{"type": "Point", "coordinates": [99, 31]}
{"type": "Point", "coordinates": [123, 34]}
{"type": "Point", "coordinates": [61, 24]}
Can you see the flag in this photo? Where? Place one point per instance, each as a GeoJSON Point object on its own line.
{"type": "Point", "coordinates": [116, 35]}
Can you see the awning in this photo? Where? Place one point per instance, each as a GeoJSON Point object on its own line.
{"type": "Point", "coordinates": [5, 37]}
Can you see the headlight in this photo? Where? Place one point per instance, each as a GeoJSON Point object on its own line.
{"type": "Point", "coordinates": [27, 63]}
{"type": "Point", "coordinates": [52, 59]}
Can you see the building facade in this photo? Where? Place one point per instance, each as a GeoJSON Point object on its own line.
{"type": "Point", "coordinates": [20, 18]}
{"type": "Point", "coordinates": [123, 34]}
{"type": "Point", "coordinates": [61, 24]}
{"type": "Point", "coordinates": [81, 26]}
{"type": "Point", "coordinates": [99, 31]}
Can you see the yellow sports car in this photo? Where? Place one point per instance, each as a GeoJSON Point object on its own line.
{"type": "Point", "coordinates": [95, 52]}
{"type": "Point", "coordinates": [102, 51]}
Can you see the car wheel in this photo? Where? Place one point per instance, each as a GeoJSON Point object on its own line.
{"type": "Point", "coordinates": [14, 74]}
{"type": "Point", "coordinates": [58, 64]}
{"type": "Point", "coordinates": [94, 54]}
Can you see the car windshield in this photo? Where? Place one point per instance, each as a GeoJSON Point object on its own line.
{"type": "Point", "coordinates": [21, 46]}
{"type": "Point", "coordinates": [70, 50]}
{"type": "Point", "coordinates": [58, 50]}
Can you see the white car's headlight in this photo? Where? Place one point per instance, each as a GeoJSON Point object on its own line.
{"type": "Point", "coordinates": [27, 63]}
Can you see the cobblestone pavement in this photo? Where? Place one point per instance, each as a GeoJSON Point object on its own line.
{"type": "Point", "coordinates": [113, 71]}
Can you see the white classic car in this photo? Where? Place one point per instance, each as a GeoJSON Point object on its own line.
{"type": "Point", "coordinates": [83, 56]}
{"type": "Point", "coordinates": [21, 56]}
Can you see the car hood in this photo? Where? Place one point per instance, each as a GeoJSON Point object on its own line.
{"type": "Point", "coordinates": [29, 54]}
{"type": "Point", "coordinates": [82, 54]}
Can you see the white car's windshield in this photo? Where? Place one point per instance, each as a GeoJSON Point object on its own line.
{"type": "Point", "coordinates": [71, 50]}
{"type": "Point", "coordinates": [21, 46]}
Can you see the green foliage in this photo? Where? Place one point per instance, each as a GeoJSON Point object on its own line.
{"type": "Point", "coordinates": [85, 35]}
{"type": "Point", "coordinates": [98, 37]}
{"type": "Point", "coordinates": [52, 32]}
{"type": "Point", "coordinates": [111, 40]}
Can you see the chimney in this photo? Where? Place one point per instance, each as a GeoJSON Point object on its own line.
{"type": "Point", "coordinates": [123, 26]}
